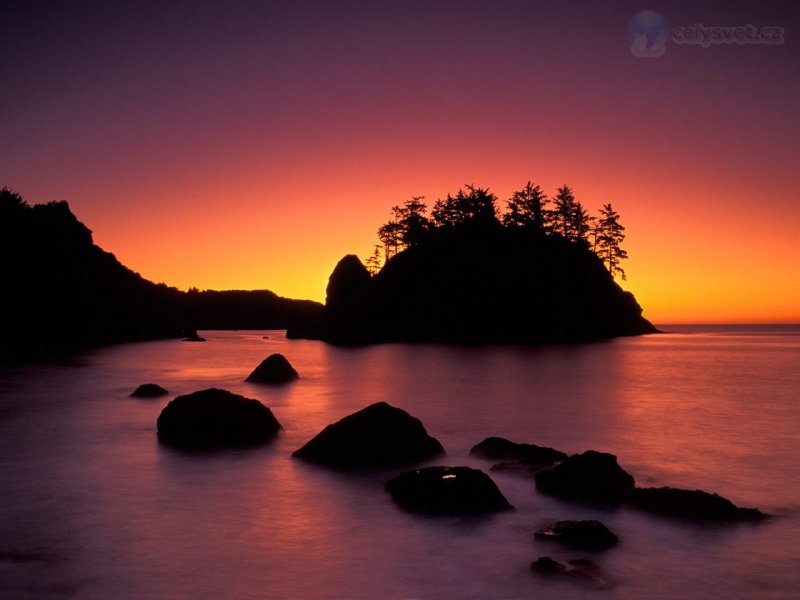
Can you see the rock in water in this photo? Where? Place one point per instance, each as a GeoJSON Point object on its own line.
{"type": "Point", "coordinates": [691, 504]}
{"type": "Point", "coordinates": [481, 283]}
{"type": "Point", "coordinates": [376, 436]}
{"type": "Point", "coordinates": [447, 490]}
{"type": "Point", "coordinates": [501, 449]}
{"type": "Point", "coordinates": [588, 535]}
{"type": "Point", "coordinates": [149, 390]}
{"type": "Point", "coordinates": [579, 570]}
{"type": "Point", "coordinates": [590, 477]}
{"type": "Point", "coordinates": [192, 336]}
{"type": "Point", "coordinates": [215, 418]}
{"type": "Point", "coordinates": [273, 369]}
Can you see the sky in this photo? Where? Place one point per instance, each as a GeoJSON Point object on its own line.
{"type": "Point", "coordinates": [251, 145]}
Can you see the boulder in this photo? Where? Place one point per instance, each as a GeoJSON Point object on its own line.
{"type": "Point", "coordinates": [516, 457]}
{"type": "Point", "coordinates": [273, 369]}
{"type": "Point", "coordinates": [691, 504]}
{"type": "Point", "coordinates": [447, 490]}
{"type": "Point", "coordinates": [588, 535]}
{"type": "Point", "coordinates": [580, 570]}
{"type": "Point", "coordinates": [377, 436]}
{"type": "Point", "coordinates": [589, 477]}
{"type": "Point", "coordinates": [149, 390]}
{"type": "Point", "coordinates": [215, 418]}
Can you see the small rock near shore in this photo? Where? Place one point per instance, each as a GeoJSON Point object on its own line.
{"type": "Point", "coordinates": [447, 490]}
{"type": "Point", "coordinates": [695, 505]}
{"type": "Point", "coordinates": [590, 477]}
{"type": "Point", "coordinates": [215, 418]}
{"type": "Point", "coordinates": [379, 435]}
{"type": "Point", "coordinates": [588, 535]}
{"type": "Point", "coordinates": [149, 390]}
{"type": "Point", "coordinates": [501, 449]}
{"type": "Point", "coordinates": [580, 570]}
{"type": "Point", "coordinates": [273, 369]}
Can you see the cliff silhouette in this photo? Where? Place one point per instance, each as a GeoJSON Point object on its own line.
{"type": "Point", "coordinates": [63, 293]}
{"type": "Point", "coordinates": [474, 280]}
{"type": "Point", "coordinates": [479, 283]}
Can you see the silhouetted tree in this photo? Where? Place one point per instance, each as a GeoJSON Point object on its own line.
{"type": "Point", "coordinates": [562, 211]}
{"type": "Point", "coordinates": [568, 217]}
{"type": "Point", "coordinates": [413, 221]}
{"type": "Point", "coordinates": [373, 263]}
{"type": "Point", "coordinates": [475, 205]}
{"type": "Point", "coordinates": [608, 237]}
{"type": "Point", "coordinates": [581, 224]}
{"type": "Point", "coordinates": [11, 201]}
{"type": "Point", "coordinates": [390, 234]}
{"type": "Point", "coordinates": [526, 208]}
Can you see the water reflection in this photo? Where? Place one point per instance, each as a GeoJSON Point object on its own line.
{"type": "Point", "coordinates": [84, 480]}
{"type": "Point", "coordinates": [696, 410]}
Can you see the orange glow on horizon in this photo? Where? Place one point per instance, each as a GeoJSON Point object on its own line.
{"type": "Point", "coordinates": [701, 250]}
{"type": "Point", "coordinates": [678, 271]}
{"type": "Point", "coordinates": [250, 149]}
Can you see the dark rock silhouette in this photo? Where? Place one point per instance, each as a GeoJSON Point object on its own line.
{"type": "Point", "coordinates": [588, 535]}
{"type": "Point", "coordinates": [348, 315]}
{"type": "Point", "coordinates": [273, 369]}
{"type": "Point", "coordinates": [591, 477]}
{"type": "Point", "coordinates": [192, 336]}
{"type": "Point", "coordinates": [63, 294]}
{"type": "Point", "coordinates": [215, 418]}
{"type": "Point", "coordinates": [447, 490]}
{"type": "Point", "coordinates": [514, 456]}
{"type": "Point", "coordinates": [691, 504]}
{"type": "Point", "coordinates": [149, 390]}
{"type": "Point", "coordinates": [485, 284]}
{"type": "Point", "coordinates": [580, 570]}
{"type": "Point", "coordinates": [376, 436]}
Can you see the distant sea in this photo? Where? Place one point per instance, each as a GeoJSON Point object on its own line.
{"type": "Point", "coordinates": [92, 506]}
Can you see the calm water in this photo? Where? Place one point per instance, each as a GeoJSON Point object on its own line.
{"type": "Point", "coordinates": [91, 506]}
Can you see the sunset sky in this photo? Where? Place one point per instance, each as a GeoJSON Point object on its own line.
{"type": "Point", "coordinates": [250, 145]}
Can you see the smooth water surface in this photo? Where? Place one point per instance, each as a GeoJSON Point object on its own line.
{"type": "Point", "coordinates": [91, 506]}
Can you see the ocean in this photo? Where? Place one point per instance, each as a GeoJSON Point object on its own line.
{"type": "Point", "coordinates": [92, 506]}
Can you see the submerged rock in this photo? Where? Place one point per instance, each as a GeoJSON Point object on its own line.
{"type": "Point", "coordinates": [523, 458]}
{"type": "Point", "coordinates": [589, 535]}
{"type": "Point", "coordinates": [447, 490]}
{"type": "Point", "coordinates": [691, 504]}
{"type": "Point", "coordinates": [376, 436]}
{"type": "Point", "coordinates": [149, 390]}
{"type": "Point", "coordinates": [590, 477]}
{"type": "Point", "coordinates": [273, 369]}
{"type": "Point", "coordinates": [216, 418]}
{"type": "Point", "coordinates": [192, 336]}
{"type": "Point", "coordinates": [580, 570]}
